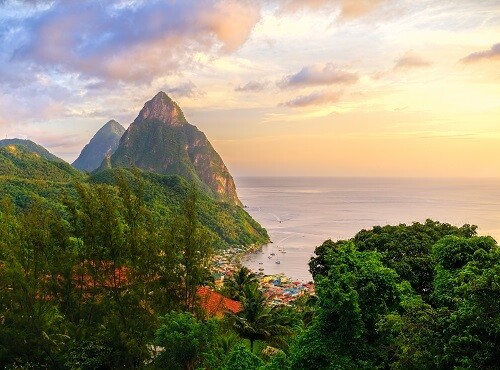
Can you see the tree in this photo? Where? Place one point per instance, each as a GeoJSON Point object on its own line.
{"type": "Point", "coordinates": [33, 329]}
{"type": "Point", "coordinates": [404, 248]}
{"type": "Point", "coordinates": [238, 280]}
{"type": "Point", "coordinates": [354, 295]}
{"type": "Point", "coordinates": [194, 244]}
{"type": "Point", "coordinates": [467, 290]}
{"type": "Point", "coordinates": [184, 340]}
{"type": "Point", "coordinates": [240, 358]}
{"type": "Point", "coordinates": [258, 320]}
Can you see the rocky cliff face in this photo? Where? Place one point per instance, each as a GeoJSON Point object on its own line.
{"type": "Point", "coordinates": [103, 144]}
{"type": "Point", "coordinates": [161, 140]}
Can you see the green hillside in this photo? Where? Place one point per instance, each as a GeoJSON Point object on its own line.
{"type": "Point", "coordinates": [26, 176]}
{"type": "Point", "coordinates": [31, 147]}
{"type": "Point", "coordinates": [22, 162]}
{"type": "Point", "coordinates": [165, 197]}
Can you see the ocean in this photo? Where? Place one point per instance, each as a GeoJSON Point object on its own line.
{"type": "Point", "coordinates": [301, 213]}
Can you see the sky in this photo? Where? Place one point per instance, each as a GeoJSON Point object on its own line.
{"type": "Point", "coordinates": [386, 88]}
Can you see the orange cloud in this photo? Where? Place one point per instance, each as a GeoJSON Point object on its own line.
{"type": "Point", "coordinates": [319, 74]}
{"type": "Point", "coordinates": [349, 9]}
{"type": "Point", "coordinates": [252, 86]}
{"type": "Point", "coordinates": [492, 54]}
{"type": "Point", "coordinates": [410, 60]}
{"type": "Point", "coordinates": [315, 98]}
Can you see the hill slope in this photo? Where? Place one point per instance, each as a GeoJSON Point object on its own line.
{"type": "Point", "coordinates": [32, 147]}
{"type": "Point", "coordinates": [19, 161]}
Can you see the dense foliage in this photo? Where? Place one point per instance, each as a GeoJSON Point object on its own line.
{"type": "Point", "coordinates": [102, 272]}
{"type": "Point", "coordinates": [94, 285]}
{"type": "Point", "coordinates": [423, 296]}
{"type": "Point", "coordinates": [106, 286]}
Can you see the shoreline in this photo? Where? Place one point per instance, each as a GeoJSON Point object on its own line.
{"type": "Point", "coordinates": [279, 288]}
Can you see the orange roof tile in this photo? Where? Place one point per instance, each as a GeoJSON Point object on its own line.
{"type": "Point", "coordinates": [216, 304]}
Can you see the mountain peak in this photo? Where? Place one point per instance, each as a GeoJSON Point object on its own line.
{"type": "Point", "coordinates": [111, 127]}
{"type": "Point", "coordinates": [104, 142]}
{"type": "Point", "coordinates": [162, 108]}
{"type": "Point", "coordinates": [161, 140]}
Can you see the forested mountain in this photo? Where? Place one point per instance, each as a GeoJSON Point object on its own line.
{"type": "Point", "coordinates": [103, 143]}
{"type": "Point", "coordinates": [161, 140]}
{"type": "Point", "coordinates": [26, 177]}
{"type": "Point", "coordinates": [26, 162]}
{"type": "Point", "coordinates": [32, 147]}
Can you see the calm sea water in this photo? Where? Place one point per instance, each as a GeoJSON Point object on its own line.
{"type": "Point", "coordinates": [301, 213]}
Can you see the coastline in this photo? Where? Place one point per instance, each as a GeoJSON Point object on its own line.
{"type": "Point", "coordinates": [279, 288]}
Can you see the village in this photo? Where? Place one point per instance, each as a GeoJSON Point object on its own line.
{"type": "Point", "coordinates": [279, 288]}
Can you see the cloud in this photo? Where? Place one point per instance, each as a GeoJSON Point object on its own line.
{"type": "Point", "coordinates": [319, 74]}
{"type": "Point", "coordinates": [134, 41]}
{"type": "Point", "coordinates": [253, 86]}
{"type": "Point", "coordinates": [351, 9]}
{"type": "Point", "coordinates": [348, 9]}
{"type": "Point", "coordinates": [410, 60]}
{"type": "Point", "coordinates": [315, 98]}
{"type": "Point", "coordinates": [492, 54]}
{"type": "Point", "coordinates": [186, 89]}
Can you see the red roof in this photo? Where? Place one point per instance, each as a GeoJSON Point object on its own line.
{"type": "Point", "coordinates": [215, 304]}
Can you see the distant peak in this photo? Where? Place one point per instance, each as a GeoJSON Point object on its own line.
{"type": "Point", "coordinates": [112, 123]}
{"type": "Point", "coordinates": [111, 126]}
{"type": "Point", "coordinates": [162, 95]}
{"type": "Point", "coordinates": [162, 108]}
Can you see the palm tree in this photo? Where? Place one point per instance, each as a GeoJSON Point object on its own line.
{"type": "Point", "coordinates": [238, 280]}
{"type": "Point", "coordinates": [258, 320]}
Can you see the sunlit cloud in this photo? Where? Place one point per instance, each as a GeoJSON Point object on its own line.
{"type": "Point", "coordinates": [492, 54]}
{"type": "Point", "coordinates": [410, 60]}
{"type": "Point", "coordinates": [134, 43]}
{"type": "Point", "coordinates": [253, 86]}
{"type": "Point", "coordinates": [319, 74]}
{"type": "Point", "coordinates": [186, 89]}
{"type": "Point", "coordinates": [348, 9]}
{"type": "Point", "coordinates": [315, 98]}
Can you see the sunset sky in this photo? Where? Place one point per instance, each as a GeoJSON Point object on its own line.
{"type": "Point", "coordinates": [280, 87]}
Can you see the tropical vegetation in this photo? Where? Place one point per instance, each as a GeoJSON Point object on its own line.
{"type": "Point", "coordinates": [102, 271]}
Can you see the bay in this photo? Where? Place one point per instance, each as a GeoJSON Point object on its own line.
{"type": "Point", "coordinates": [301, 213]}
